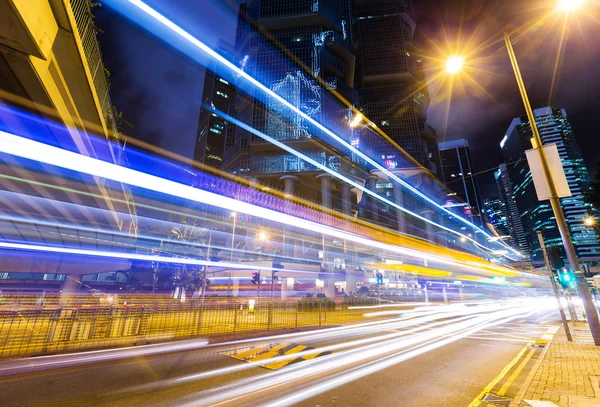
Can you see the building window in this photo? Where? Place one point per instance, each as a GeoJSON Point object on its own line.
{"type": "Point", "coordinates": [223, 81]}
{"type": "Point", "coordinates": [226, 96]}
{"type": "Point", "coordinates": [216, 131]}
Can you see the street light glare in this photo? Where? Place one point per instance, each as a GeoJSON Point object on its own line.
{"type": "Point", "coordinates": [454, 64]}
{"type": "Point", "coordinates": [569, 5]}
{"type": "Point", "coordinates": [262, 236]}
{"type": "Point", "coordinates": [589, 221]}
{"type": "Point", "coordinates": [356, 121]}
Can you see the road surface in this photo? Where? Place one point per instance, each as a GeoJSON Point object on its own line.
{"type": "Point", "coordinates": [428, 356]}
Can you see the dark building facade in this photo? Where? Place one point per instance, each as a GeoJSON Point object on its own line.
{"type": "Point", "coordinates": [537, 215]}
{"type": "Point", "coordinates": [496, 215]}
{"type": "Point", "coordinates": [457, 172]}
{"type": "Point", "coordinates": [218, 93]}
{"type": "Point", "coordinates": [513, 216]}
{"type": "Point", "coordinates": [391, 82]}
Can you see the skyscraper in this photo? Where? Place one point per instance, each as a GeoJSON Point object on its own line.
{"type": "Point", "coordinates": [218, 93]}
{"type": "Point", "coordinates": [457, 171]}
{"type": "Point", "coordinates": [391, 82]}
{"type": "Point", "coordinates": [537, 215]}
{"type": "Point", "coordinates": [303, 51]}
{"type": "Point", "coordinates": [496, 214]}
{"type": "Point", "coordinates": [513, 216]}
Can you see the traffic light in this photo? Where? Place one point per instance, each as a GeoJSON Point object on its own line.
{"type": "Point", "coordinates": [256, 277]}
{"type": "Point", "coordinates": [565, 277]}
{"type": "Point", "coordinates": [556, 262]}
{"type": "Point", "coordinates": [379, 278]}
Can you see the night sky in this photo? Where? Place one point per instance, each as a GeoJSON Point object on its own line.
{"type": "Point", "coordinates": [159, 90]}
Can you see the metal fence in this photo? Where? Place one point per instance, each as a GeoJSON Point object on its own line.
{"type": "Point", "coordinates": [34, 325]}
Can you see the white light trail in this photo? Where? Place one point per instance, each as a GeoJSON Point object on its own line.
{"type": "Point", "coordinates": [373, 357]}
{"type": "Point", "coordinates": [43, 153]}
{"type": "Point", "coordinates": [149, 11]}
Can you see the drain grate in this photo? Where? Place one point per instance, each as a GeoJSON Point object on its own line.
{"type": "Point", "coordinates": [496, 400]}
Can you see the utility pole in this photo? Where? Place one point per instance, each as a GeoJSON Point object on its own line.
{"type": "Point", "coordinates": [554, 287]}
{"type": "Point", "coordinates": [582, 287]}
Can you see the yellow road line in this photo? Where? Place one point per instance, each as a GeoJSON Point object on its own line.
{"type": "Point", "coordinates": [244, 354]}
{"type": "Point", "coordinates": [504, 371]}
{"type": "Point", "coordinates": [282, 363]}
{"type": "Point", "coordinates": [274, 351]}
{"type": "Point", "coordinates": [516, 373]}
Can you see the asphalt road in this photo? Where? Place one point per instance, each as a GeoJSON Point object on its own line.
{"type": "Point", "coordinates": [436, 356]}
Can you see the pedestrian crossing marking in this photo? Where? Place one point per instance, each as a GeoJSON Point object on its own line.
{"type": "Point", "coordinates": [262, 355]}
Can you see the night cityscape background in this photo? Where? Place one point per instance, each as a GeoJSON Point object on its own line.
{"type": "Point", "coordinates": [299, 203]}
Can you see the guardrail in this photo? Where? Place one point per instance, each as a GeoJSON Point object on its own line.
{"type": "Point", "coordinates": [34, 325]}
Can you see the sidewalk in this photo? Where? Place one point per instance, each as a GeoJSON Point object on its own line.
{"type": "Point", "coordinates": [567, 375]}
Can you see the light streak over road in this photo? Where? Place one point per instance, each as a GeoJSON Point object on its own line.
{"type": "Point", "coordinates": [39, 152]}
{"type": "Point", "coordinates": [148, 11]}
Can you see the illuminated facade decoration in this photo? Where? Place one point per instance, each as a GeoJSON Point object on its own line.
{"type": "Point", "coordinates": [554, 128]}
{"type": "Point", "coordinates": [302, 50]}
{"type": "Point", "coordinates": [391, 82]}
{"type": "Point", "coordinates": [218, 93]}
{"type": "Point", "coordinates": [457, 172]}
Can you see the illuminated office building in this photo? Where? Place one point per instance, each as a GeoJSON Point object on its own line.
{"type": "Point", "coordinates": [537, 215]}
{"type": "Point", "coordinates": [217, 93]}
{"type": "Point", "coordinates": [391, 82]}
{"type": "Point", "coordinates": [457, 171]}
{"type": "Point", "coordinates": [495, 213]}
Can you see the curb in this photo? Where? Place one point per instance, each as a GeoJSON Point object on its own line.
{"type": "Point", "coordinates": [519, 397]}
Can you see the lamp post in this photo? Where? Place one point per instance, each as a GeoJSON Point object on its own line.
{"type": "Point", "coordinates": [234, 216]}
{"type": "Point", "coordinates": [453, 66]}
{"type": "Point", "coordinates": [582, 287]}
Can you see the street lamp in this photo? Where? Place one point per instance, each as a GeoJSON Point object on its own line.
{"type": "Point", "coordinates": [589, 221]}
{"type": "Point", "coordinates": [234, 216]}
{"type": "Point", "coordinates": [454, 64]}
{"type": "Point", "coordinates": [569, 5]}
{"type": "Point", "coordinates": [262, 235]}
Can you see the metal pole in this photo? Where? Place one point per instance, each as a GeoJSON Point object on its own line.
{"type": "Point", "coordinates": [231, 254]}
{"type": "Point", "coordinates": [582, 287]}
{"type": "Point", "coordinates": [205, 274]}
{"type": "Point", "coordinates": [554, 287]}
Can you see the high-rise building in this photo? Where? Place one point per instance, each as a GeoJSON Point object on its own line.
{"type": "Point", "coordinates": [457, 171]}
{"type": "Point", "coordinates": [537, 215]}
{"type": "Point", "coordinates": [495, 214]}
{"type": "Point", "coordinates": [513, 217]}
{"type": "Point", "coordinates": [302, 51]}
{"type": "Point", "coordinates": [217, 93]}
{"type": "Point", "coordinates": [391, 82]}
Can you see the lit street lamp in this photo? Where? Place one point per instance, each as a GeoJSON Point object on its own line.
{"type": "Point", "coordinates": [589, 221]}
{"type": "Point", "coordinates": [569, 5]}
{"type": "Point", "coordinates": [454, 64]}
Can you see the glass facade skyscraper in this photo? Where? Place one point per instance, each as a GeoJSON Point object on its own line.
{"type": "Point", "coordinates": [495, 212]}
{"type": "Point", "coordinates": [537, 215]}
{"type": "Point", "coordinates": [217, 93]}
{"type": "Point", "coordinates": [513, 216]}
{"type": "Point", "coordinates": [391, 82]}
{"type": "Point", "coordinates": [457, 172]}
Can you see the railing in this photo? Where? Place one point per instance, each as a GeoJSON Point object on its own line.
{"type": "Point", "coordinates": [33, 325]}
{"type": "Point", "coordinates": [91, 48]}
